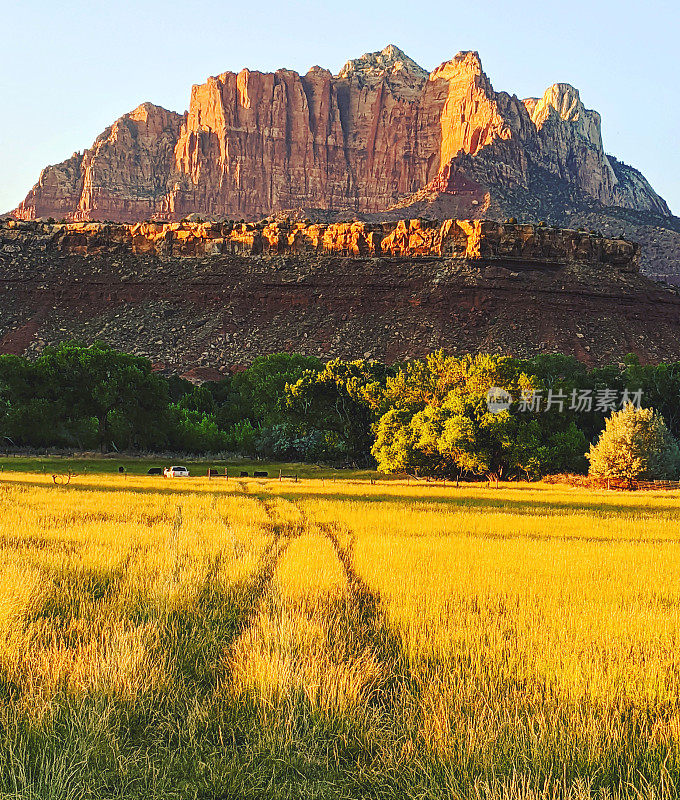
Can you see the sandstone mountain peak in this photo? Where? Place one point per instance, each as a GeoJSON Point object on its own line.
{"type": "Point", "coordinates": [380, 137]}
{"type": "Point", "coordinates": [372, 67]}
{"type": "Point", "coordinates": [564, 100]}
{"type": "Point", "coordinates": [466, 62]}
{"type": "Point", "coordinates": [145, 110]}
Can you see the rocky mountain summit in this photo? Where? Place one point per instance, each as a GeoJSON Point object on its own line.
{"type": "Point", "coordinates": [382, 139]}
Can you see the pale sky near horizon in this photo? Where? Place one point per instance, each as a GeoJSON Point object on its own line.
{"type": "Point", "coordinates": [70, 69]}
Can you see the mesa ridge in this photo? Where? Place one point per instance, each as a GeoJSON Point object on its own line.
{"type": "Point", "coordinates": [468, 239]}
{"type": "Point", "coordinates": [203, 298]}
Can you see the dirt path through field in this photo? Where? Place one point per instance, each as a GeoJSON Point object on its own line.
{"type": "Point", "coordinates": [370, 623]}
{"type": "Point", "coordinates": [320, 642]}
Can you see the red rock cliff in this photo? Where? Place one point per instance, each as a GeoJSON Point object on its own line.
{"type": "Point", "coordinates": [211, 296]}
{"type": "Point", "coordinates": [373, 136]}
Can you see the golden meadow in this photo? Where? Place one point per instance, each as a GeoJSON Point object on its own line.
{"type": "Point", "coordinates": [336, 639]}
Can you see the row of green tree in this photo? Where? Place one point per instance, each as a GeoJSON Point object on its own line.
{"type": "Point", "coordinates": [427, 416]}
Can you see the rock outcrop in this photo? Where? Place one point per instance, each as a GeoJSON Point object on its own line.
{"type": "Point", "coordinates": [381, 139]}
{"type": "Point", "coordinates": [202, 298]}
{"type": "Point", "coordinates": [120, 177]}
{"type": "Point", "coordinates": [513, 245]}
{"type": "Point", "coordinates": [252, 143]}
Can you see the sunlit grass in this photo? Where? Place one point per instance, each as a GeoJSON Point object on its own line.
{"type": "Point", "coordinates": [333, 638]}
{"type": "Point", "coordinates": [539, 631]}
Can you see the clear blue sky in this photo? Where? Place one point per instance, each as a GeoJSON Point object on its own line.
{"type": "Point", "coordinates": [71, 68]}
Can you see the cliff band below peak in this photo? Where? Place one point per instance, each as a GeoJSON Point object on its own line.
{"type": "Point", "coordinates": [213, 296]}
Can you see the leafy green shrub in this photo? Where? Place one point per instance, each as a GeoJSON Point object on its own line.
{"type": "Point", "coordinates": [195, 432]}
{"type": "Point", "coordinates": [635, 444]}
{"type": "Point", "coordinates": [289, 442]}
{"type": "Point", "coordinates": [244, 436]}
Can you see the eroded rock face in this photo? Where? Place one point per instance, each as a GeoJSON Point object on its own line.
{"type": "Point", "coordinates": [122, 176]}
{"type": "Point", "coordinates": [373, 136]}
{"type": "Point", "coordinates": [571, 141]}
{"type": "Point", "coordinates": [520, 246]}
{"type": "Point", "coordinates": [205, 297]}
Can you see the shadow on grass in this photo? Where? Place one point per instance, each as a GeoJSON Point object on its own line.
{"type": "Point", "coordinates": [461, 502]}
{"type": "Point", "coordinates": [579, 504]}
{"type": "Point", "coordinates": [369, 627]}
{"type": "Point", "coordinates": [155, 743]}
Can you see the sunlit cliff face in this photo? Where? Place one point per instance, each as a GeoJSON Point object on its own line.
{"type": "Point", "coordinates": [361, 141]}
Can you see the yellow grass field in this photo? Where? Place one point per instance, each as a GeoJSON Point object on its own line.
{"type": "Point", "coordinates": [336, 639]}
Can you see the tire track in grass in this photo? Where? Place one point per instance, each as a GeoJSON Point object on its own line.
{"type": "Point", "coordinates": [195, 735]}
{"type": "Point", "coordinates": [258, 584]}
{"type": "Point", "coordinates": [199, 719]}
{"type": "Point", "coordinates": [252, 590]}
{"type": "Point", "coordinates": [377, 745]}
{"type": "Point", "coordinates": [196, 636]}
{"type": "Point", "coordinates": [321, 672]}
{"type": "Point", "coordinates": [195, 718]}
{"type": "Point", "coordinates": [369, 622]}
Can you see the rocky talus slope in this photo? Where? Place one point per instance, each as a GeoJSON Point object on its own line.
{"type": "Point", "coordinates": [381, 139]}
{"type": "Point", "coordinates": [204, 298]}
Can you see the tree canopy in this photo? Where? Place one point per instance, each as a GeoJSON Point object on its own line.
{"type": "Point", "coordinates": [635, 445]}
{"type": "Point", "coordinates": [440, 422]}
{"type": "Point", "coordinates": [425, 416]}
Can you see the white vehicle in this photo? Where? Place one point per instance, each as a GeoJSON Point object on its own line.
{"type": "Point", "coordinates": [176, 472]}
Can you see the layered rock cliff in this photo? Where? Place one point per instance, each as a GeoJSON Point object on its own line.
{"type": "Point", "coordinates": [121, 176]}
{"type": "Point", "coordinates": [381, 137]}
{"type": "Point", "coordinates": [508, 244]}
{"type": "Point", "coordinates": [203, 298]}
